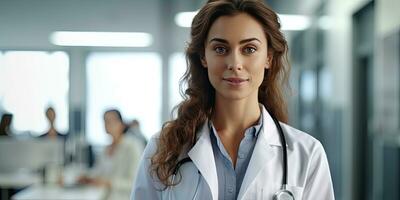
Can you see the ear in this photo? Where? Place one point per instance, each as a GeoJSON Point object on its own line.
{"type": "Point", "coordinates": [203, 61]}
{"type": "Point", "coordinates": [269, 61]}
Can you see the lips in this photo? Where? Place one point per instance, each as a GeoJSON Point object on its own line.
{"type": "Point", "coordinates": [235, 80]}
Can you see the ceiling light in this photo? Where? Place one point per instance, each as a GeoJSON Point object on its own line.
{"type": "Point", "coordinates": [101, 39]}
{"type": "Point", "coordinates": [294, 22]}
{"type": "Point", "coordinates": [184, 19]}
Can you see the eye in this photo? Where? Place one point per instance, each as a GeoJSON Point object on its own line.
{"type": "Point", "coordinates": [249, 50]}
{"type": "Point", "coordinates": [220, 50]}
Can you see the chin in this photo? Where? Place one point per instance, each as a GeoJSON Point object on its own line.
{"type": "Point", "coordinates": [235, 95]}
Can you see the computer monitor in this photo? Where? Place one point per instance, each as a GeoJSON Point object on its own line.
{"type": "Point", "coordinates": [30, 153]}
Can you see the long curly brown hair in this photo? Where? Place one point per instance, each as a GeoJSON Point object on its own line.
{"type": "Point", "coordinates": [179, 135]}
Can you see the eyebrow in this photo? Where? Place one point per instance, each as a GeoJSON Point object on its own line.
{"type": "Point", "coordinates": [226, 42]}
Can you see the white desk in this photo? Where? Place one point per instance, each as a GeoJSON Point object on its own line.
{"type": "Point", "coordinates": [18, 179]}
{"type": "Point", "coordinates": [54, 192]}
{"type": "Point", "coordinates": [15, 180]}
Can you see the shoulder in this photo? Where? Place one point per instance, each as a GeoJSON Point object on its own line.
{"type": "Point", "coordinates": [309, 152]}
{"type": "Point", "coordinates": [302, 141]}
{"type": "Point", "coordinates": [63, 136]}
{"type": "Point", "coordinates": [147, 185]}
{"type": "Point", "coordinates": [43, 135]}
{"type": "Point", "coordinates": [312, 164]}
{"type": "Point", "coordinates": [151, 146]}
{"type": "Point", "coordinates": [131, 142]}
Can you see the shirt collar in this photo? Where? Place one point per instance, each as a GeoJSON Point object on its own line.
{"type": "Point", "coordinates": [259, 125]}
{"type": "Point", "coordinates": [256, 129]}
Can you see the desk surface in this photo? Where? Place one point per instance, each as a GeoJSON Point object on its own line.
{"type": "Point", "coordinates": [18, 179]}
{"type": "Point", "coordinates": [54, 192]}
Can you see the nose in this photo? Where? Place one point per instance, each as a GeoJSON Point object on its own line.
{"type": "Point", "coordinates": [234, 61]}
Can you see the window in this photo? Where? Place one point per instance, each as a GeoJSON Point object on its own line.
{"type": "Point", "coordinates": [178, 67]}
{"type": "Point", "coordinates": [308, 86]}
{"type": "Point", "coordinates": [30, 81]}
{"type": "Point", "coordinates": [129, 82]}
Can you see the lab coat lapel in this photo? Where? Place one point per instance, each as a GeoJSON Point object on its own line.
{"type": "Point", "coordinates": [263, 152]}
{"type": "Point", "coordinates": [203, 157]}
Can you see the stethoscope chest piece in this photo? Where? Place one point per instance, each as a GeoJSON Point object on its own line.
{"type": "Point", "coordinates": [283, 195]}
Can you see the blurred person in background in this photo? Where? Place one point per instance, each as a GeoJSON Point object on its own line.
{"type": "Point", "coordinates": [52, 133]}
{"type": "Point", "coordinates": [116, 167]}
{"type": "Point", "coordinates": [5, 124]}
{"type": "Point", "coordinates": [133, 129]}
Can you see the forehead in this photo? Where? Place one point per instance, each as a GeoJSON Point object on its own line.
{"type": "Point", "coordinates": [236, 27]}
{"type": "Point", "coordinates": [110, 115]}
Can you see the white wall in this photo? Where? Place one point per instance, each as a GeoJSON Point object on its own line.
{"type": "Point", "coordinates": [388, 16]}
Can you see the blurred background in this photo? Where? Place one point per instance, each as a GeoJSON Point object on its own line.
{"type": "Point", "coordinates": [345, 81]}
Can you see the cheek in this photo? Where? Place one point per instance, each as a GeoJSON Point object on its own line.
{"type": "Point", "coordinates": [212, 76]}
{"type": "Point", "coordinates": [215, 68]}
{"type": "Point", "coordinates": [107, 127]}
{"type": "Point", "coordinates": [258, 73]}
{"type": "Point", "coordinates": [260, 78]}
{"type": "Point", "coordinates": [213, 71]}
{"type": "Point", "coordinates": [110, 127]}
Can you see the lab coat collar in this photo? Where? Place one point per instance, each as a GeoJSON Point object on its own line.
{"type": "Point", "coordinates": [270, 130]}
{"type": "Point", "coordinates": [263, 151]}
{"type": "Point", "coordinates": [203, 157]}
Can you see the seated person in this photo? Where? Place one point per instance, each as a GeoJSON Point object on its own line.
{"type": "Point", "coordinates": [133, 130]}
{"type": "Point", "coordinates": [5, 124]}
{"type": "Point", "coordinates": [52, 133]}
{"type": "Point", "coordinates": [116, 167]}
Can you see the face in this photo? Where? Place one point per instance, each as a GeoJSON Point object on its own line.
{"type": "Point", "coordinates": [113, 124]}
{"type": "Point", "coordinates": [236, 56]}
{"type": "Point", "coordinates": [51, 115]}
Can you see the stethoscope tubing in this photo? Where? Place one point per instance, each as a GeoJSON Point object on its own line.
{"type": "Point", "coordinates": [284, 151]}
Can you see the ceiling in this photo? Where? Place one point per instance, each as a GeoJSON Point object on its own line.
{"type": "Point", "coordinates": [28, 24]}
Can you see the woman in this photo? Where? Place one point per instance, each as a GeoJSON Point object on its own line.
{"type": "Point", "coordinates": [224, 143]}
{"type": "Point", "coordinates": [117, 166]}
{"type": "Point", "coordinates": [52, 133]}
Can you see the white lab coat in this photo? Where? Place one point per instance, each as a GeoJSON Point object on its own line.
{"type": "Point", "coordinates": [308, 171]}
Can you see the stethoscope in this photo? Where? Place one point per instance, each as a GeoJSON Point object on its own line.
{"type": "Point", "coordinates": [282, 194]}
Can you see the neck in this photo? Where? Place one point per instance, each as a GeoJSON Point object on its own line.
{"type": "Point", "coordinates": [232, 117]}
{"type": "Point", "coordinates": [116, 139]}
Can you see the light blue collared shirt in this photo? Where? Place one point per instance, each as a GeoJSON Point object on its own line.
{"type": "Point", "coordinates": [230, 178]}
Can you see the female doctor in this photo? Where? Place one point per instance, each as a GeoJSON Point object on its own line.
{"type": "Point", "coordinates": [226, 142]}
